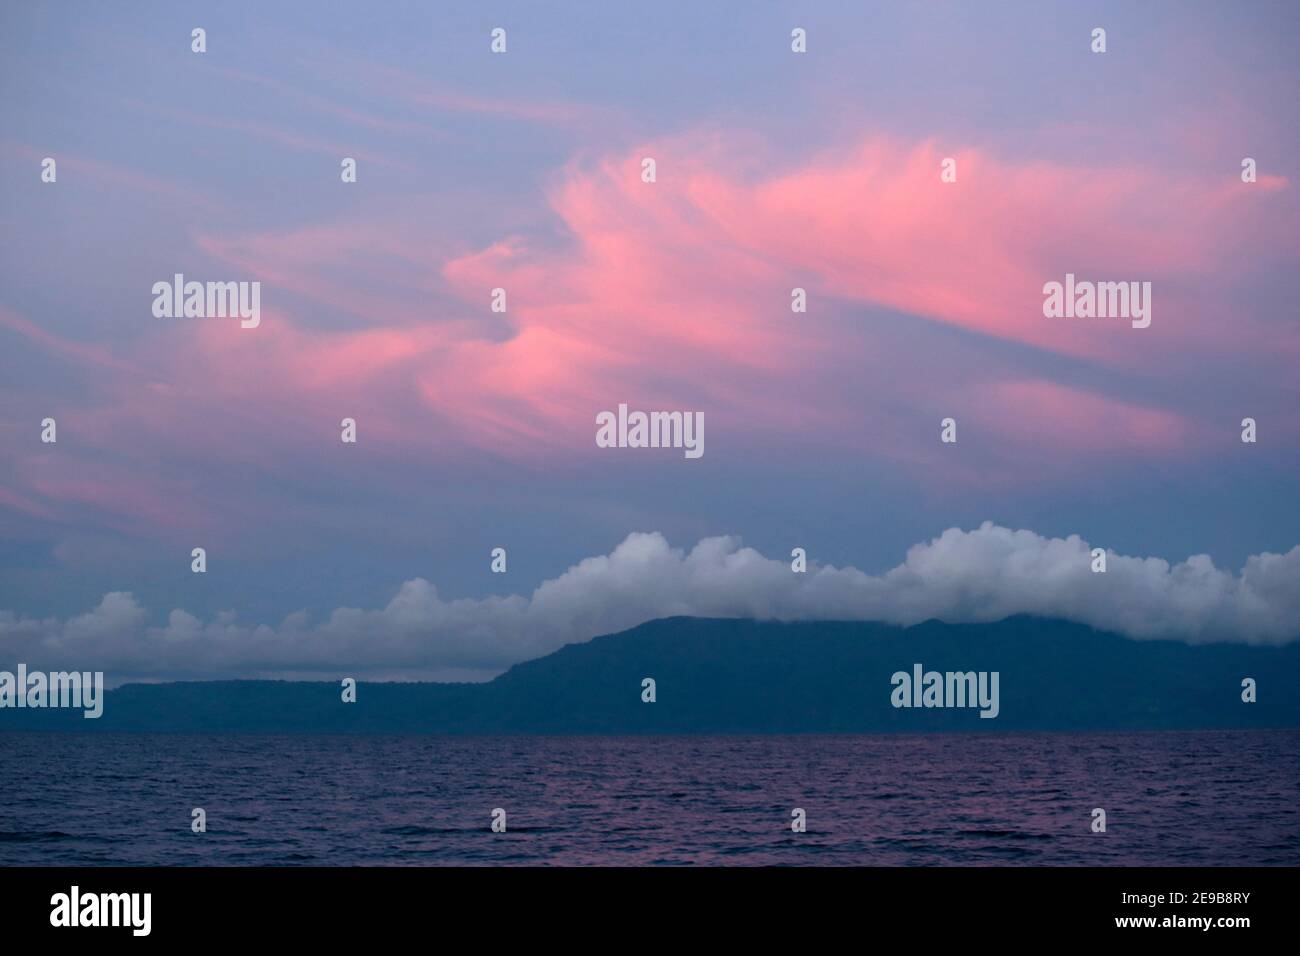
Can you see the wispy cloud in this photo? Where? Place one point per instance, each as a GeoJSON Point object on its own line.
{"type": "Point", "coordinates": [111, 174]}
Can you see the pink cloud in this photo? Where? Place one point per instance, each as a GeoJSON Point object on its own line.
{"type": "Point", "coordinates": [415, 89]}
{"type": "Point", "coordinates": [108, 173]}
{"type": "Point", "coordinates": [1038, 414]}
{"type": "Point", "coordinates": [60, 346]}
{"type": "Point", "coordinates": [687, 280]}
{"type": "Point", "coordinates": [115, 496]}
{"type": "Point", "coordinates": [676, 294]}
{"type": "Point", "coordinates": [878, 226]}
{"type": "Point", "coordinates": [272, 133]}
{"type": "Point", "coordinates": [323, 105]}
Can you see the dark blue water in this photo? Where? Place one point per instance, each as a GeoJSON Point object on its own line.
{"type": "Point", "coordinates": [1213, 798]}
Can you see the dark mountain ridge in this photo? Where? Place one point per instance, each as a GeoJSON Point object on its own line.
{"type": "Point", "coordinates": [739, 676]}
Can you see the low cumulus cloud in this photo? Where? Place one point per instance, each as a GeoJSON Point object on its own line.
{"type": "Point", "coordinates": [960, 576]}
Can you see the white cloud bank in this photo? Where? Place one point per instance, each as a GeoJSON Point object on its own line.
{"type": "Point", "coordinates": [981, 575]}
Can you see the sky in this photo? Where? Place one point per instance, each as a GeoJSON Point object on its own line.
{"type": "Point", "coordinates": [522, 171]}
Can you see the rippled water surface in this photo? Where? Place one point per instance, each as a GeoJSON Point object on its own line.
{"type": "Point", "coordinates": [1171, 798]}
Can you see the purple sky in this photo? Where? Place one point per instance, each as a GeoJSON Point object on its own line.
{"type": "Point", "coordinates": [522, 171]}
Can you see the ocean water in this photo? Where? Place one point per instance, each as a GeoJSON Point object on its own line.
{"type": "Point", "coordinates": [1206, 798]}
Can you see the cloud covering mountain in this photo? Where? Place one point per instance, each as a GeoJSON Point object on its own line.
{"type": "Point", "coordinates": [984, 574]}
